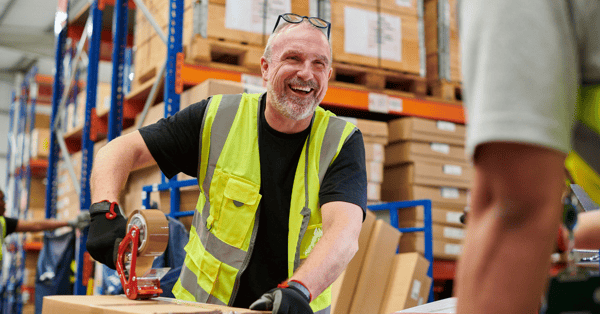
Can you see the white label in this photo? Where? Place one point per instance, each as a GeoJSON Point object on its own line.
{"type": "Point", "coordinates": [378, 152]}
{"type": "Point", "coordinates": [454, 233]}
{"type": "Point", "coordinates": [395, 104]}
{"type": "Point", "coordinates": [452, 170]}
{"type": "Point", "coordinates": [416, 287]}
{"type": "Point", "coordinates": [254, 89]}
{"type": "Point", "coordinates": [376, 171]}
{"type": "Point", "coordinates": [450, 193]}
{"type": "Point", "coordinates": [248, 15]}
{"type": "Point", "coordinates": [360, 32]}
{"type": "Point", "coordinates": [453, 217]}
{"type": "Point", "coordinates": [252, 79]}
{"type": "Point", "coordinates": [404, 3]}
{"type": "Point", "coordinates": [440, 148]}
{"type": "Point", "coordinates": [378, 103]}
{"type": "Point", "coordinates": [446, 126]}
{"type": "Point", "coordinates": [420, 301]}
{"type": "Point", "coordinates": [391, 37]}
{"type": "Point", "coordinates": [452, 249]}
{"type": "Point", "coordinates": [154, 187]}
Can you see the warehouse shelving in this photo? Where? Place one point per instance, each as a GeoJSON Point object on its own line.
{"type": "Point", "coordinates": [21, 168]}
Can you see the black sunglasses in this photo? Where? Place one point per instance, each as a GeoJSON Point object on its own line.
{"type": "Point", "coordinates": [320, 23]}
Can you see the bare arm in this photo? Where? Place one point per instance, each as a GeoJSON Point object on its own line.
{"type": "Point", "coordinates": [39, 225]}
{"type": "Point", "coordinates": [511, 231]}
{"type": "Point", "coordinates": [587, 231]}
{"type": "Point", "coordinates": [113, 164]}
{"type": "Point", "coordinates": [341, 227]}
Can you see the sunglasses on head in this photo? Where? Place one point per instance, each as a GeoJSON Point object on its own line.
{"type": "Point", "coordinates": [320, 23]}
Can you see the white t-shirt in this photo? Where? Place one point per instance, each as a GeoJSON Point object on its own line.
{"type": "Point", "coordinates": [523, 62]}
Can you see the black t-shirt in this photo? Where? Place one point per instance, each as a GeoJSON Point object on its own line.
{"type": "Point", "coordinates": [174, 144]}
{"type": "Point", "coordinates": [11, 225]}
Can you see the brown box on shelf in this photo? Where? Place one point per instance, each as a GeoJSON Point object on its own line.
{"type": "Point", "coordinates": [425, 130]}
{"type": "Point", "coordinates": [429, 173]}
{"type": "Point", "coordinates": [396, 6]}
{"type": "Point", "coordinates": [134, 187]}
{"type": "Point", "coordinates": [37, 193]}
{"type": "Point", "coordinates": [399, 50]}
{"type": "Point", "coordinates": [376, 267]}
{"type": "Point", "coordinates": [373, 191]}
{"type": "Point", "coordinates": [187, 200]}
{"type": "Point", "coordinates": [450, 35]}
{"type": "Point", "coordinates": [411, 242]}
{"type": "Point", "coordinates": [42, 120]}
{"type": "Point", "coordinates": [155, 113]}
{"type": "Point", "coordinates": [348, 280]}
{"type": "Point", "coordinates": [67, 206]}
{"type": "Point", "coordinates": [209, 88]}
{"type": "Point", "coordinates": [31, 259]}
{"type": "Point", "coordinates": [408, 285]}
{"type": "Point", "coordinates": [450, 234]}
{"type": "Point", "coordinates": [40, 143]}
{"type": "Point", "coordinates": [117, 304]}
{"type": "Point", "coordinates": [408, 151]}
{"type": "Point", "coordinates": [374, 171]}
{"type": "Point", "coordinates": [439, 196]}
{"type": "Point", "coordinates": [449, 216]}
{"type": "Point", "coordinates": [374, 152]}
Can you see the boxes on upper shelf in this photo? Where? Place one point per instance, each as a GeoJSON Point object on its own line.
{"type": "Point", "coordinates": [442, 40]}
{"type": "Point", "coordinates": [40, 143]}
{"type": "Point", "coordinates": [408, 151]}
{"type": "Point", "coordinates": [425, 130]}
{"type": "Point", "coordinates": [428, 173]}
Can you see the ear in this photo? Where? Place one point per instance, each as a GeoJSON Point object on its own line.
{"type": "Point", "coordinates": [264, 68]}
{"type": "Point", "coordinates": [330, 72]}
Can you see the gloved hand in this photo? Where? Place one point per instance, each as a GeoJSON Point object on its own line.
{"type": "Point", "coordinates": [287, 298]}
{"type": "Point", "coordinates": [107, 229]}
{"type": "Point", "coordinates": [81, 221]}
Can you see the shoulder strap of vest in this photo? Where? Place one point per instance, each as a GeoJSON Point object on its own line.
{"type": "Point", "coordinates": [331, 143]}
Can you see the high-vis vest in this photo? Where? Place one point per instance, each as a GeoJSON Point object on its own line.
{"type": "Point", "coordinates": [226, 220]}
{"type": "Point", "coordinates": [3, 223]}
{"type": "Point", "coordinates": [583, 162]}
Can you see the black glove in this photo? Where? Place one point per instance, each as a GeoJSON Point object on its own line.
{"type": "Point", "coordinates": [107, 229]}
{"type": "Point", "coordinates": [287, 298]}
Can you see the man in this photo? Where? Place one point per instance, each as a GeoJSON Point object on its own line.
{"type": "Point", "coordinates": [524, 64]}
{"type": "Point", "coordinates": [9, 225]}
{"type": "Point", "coordinates": [283, 183]}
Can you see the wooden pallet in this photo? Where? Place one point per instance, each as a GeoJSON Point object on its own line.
{"type": "Point", "coordinates": [375, 79]}
{"type": "Point", "coordinates": [218, 53]}
{"type": "Point", "coordinates": [445, 90]}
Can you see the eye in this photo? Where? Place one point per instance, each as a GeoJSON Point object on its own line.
{"type": "Point", "coordinates": [293, 58]}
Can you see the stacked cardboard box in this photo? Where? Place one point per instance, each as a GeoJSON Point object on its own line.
{"type": "Point", "coordinates": [357, 25]}
{"type": "Point", "coordinates": [426, 160]}
{"type": "Point", "coordinates": [40, 143]}
{"type": "Point", "coordinates": [75, 111]}
{"type": "Point", "coordinates": [375, 136]}
{"type": "Point", "coordinates": [442, 40]}
{"type": "Point", "coordinates": [377, 280]}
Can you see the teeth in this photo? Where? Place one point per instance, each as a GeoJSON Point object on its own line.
{"type": "Point", "coordinates": [302, 88]}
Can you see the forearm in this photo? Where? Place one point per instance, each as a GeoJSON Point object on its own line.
{"type": "Point", "coordinates": [112, 166]}
{"type": "Point", "coordinates": [587, 230]}
{"type": "Point", "coordinates": [39, 225]}
{"type": "Point", "coordinates": [331, 254]}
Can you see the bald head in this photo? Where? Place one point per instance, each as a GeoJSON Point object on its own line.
{"type": "Point", "coordinates": [282, 28]}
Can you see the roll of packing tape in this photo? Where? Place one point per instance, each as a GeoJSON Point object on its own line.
{"type": "Point", "coordinates": [153, 239]}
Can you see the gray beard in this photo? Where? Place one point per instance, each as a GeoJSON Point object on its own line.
{"type": "Point", "coordinates": [291, 106]}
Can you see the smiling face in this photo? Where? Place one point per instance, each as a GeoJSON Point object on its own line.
{"type": "Point", "coordinates": [298, 71]}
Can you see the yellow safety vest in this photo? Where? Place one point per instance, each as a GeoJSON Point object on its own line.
{"type": "Point", "coordinates": [583, 162]}
{"type": "Point", "coordinates": [225, 221]}
{"type": "Point", "coordinates": [3, 223]}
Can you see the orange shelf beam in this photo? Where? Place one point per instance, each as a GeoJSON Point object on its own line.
{"type": "Point", "coordinates": [196, 74]}
{"type": "Point", "coordinates": [33, 246]}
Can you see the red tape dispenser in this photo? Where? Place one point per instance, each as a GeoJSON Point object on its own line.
{"type": "Point", "coordinates": [147, 237]}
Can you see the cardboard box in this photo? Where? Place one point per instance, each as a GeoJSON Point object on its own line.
{"type": "Point", "coordinates": [347, 281]}
{"type": "Point", "coordinates": [409, 284]}
{"type": "Point", "coordinates": [374, 171]}
{"type": "Point", "coordinates": [410, 151]}
{"type": "Point", "coordinates": [374, 152]}
{"type": "Point", "coordinates": [439, 196]}
{"type": "Point", "coordinates": [377, 264]}
{"type": "Point", "coordinates": [450, 234]}
{"type": "Point", "coordinates": [354, 35]}
{"type": "Point", "coordinates": [411, 242]}
{"type": "Point", "coordinates": [37, 193]}
{"type": "Point", "coordinates": [42, 120]}
{"type": "Point", "coordinates": [442, 40]}
{"type": "Point", "coordinates": [369, 127]}
{"type": "Point", "coordinates": [134, 187]}
{"type": "Point", "coordinates": [116, 304]}
{"type": "Point", "coordinates": [431, 174]}
{"type": "Point", "coordinates": [396, 6]}
{"type": "Point", "coordinates": [40, 143]}
{"type": "Point", "coordinates": [373, 191]}
{"type": "Point", "coordinates": [209, 88]}
{"type": "Point", "coordinates": [425, 130]}
{"type": "Point", "coordinates": [441, 215]}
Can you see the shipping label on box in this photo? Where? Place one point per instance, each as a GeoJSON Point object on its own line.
{"type": "Point", "coordinates": [248, 15]}
{"type": "Point", "coordinates": [411, 151]}
{"type": "Point", "coordinates": [362, 28]}
{"type": "Point", "coordinates": [426, 130]}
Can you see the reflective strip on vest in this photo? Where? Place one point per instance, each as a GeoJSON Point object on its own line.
{"type": "Point", "coordinates": [583, 161]}
{"type": "Point", "coordinates": [3, 223]}
{"type": "Point", "coordinates": [221, 256]}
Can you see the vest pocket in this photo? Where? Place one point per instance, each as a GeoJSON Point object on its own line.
{"type": "Point", "coordinates": [234, 218]}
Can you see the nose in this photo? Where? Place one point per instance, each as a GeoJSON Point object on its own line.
{"type": "Point", "coordinates": [305, 72]}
